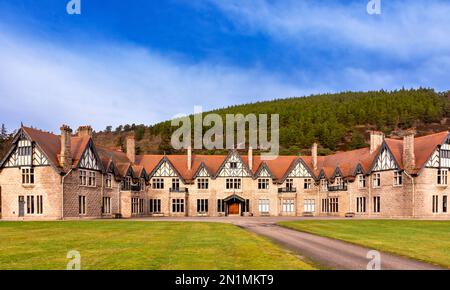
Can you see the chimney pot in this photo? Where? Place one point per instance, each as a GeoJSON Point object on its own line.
{"type": "Point", "coordinates": [66, 150]}
{"type": "Point", "coordinates": [131, 149]}
{"type": "Point", "coordinates": [84, 131]}
{"type": "Point", "coordinates": [409, 157]}
{"type": "Point", "coordinates": [376, 139]}
{"type": "Point", "coordinates": [314, 155]}
{"type": "Point", "coordinates": [189, 157]}
{"type": "Point", "coordinates": [250, 158]}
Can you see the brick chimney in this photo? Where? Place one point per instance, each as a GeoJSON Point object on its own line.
{"type": "Point", "coordinates": [314, 155]}
{"type": "Point", "coordinates": [376, 139]}
{"type": "Point", "coordinates": [189, 157]}
{"type": "Point", "coordinates": [250, 158]}
{"type": "Point", "coordinates": [131, 149]}
{"type": "Point", "coordinates": [409, 158]}
{"type": "Point", "coordinates": [66, 153]}
{"type": "Point", "coordinates": [84, 131]}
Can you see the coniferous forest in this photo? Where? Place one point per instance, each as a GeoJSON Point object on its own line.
{"type": "Point", "coordinates": [337, 121]}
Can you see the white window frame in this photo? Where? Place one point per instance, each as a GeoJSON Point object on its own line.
{"type": "Point", "coordinates": [307, 183]}
{"type": "Point", "coordinates": [106, 206]}
{"type": "Point", "coordinates": [264, 206]}
{"type": "Point", "coordinates": [377, 204]}
{"type": "Point", "coordinates": [233, 183]}
{"type": "Point", "coordinates": [288, 205]}
{"type": "Point", "coordinates": [154, 206]}
{"type": "Point", "coordinates": [203, 183]}
{"type": "Point", "coordinates": [202, 206]}
{"type": "Point", "coordinates": [398, 178]}
{"type": "Point", "coordinates": [82, 205]}
{"type": "Point", "coordinates": [442, 177]}
{"type": "Point", "coordinates": [108, 180]}
{"type": "Point", "coordinates": [376, 180]}
{"type": "Point", "coordinates": [158, 183]}
{"type": "Point", "coordinates": [263, 183]}
{"type": "Point", "coordinates": [309, 205]}
{"type": "Point", "coordinates": [361, 181]}
{"type": "Point", "coordinates": [361, 204]}
{"type": "Point", "coordinates": [324, 185]}
{"type": "Point", "coordinates": [28, 177]}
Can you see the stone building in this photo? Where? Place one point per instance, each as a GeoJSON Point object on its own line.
{"type": "Point", "coordinates": [46, 176]}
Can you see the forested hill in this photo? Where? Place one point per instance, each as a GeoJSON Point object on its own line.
{"type": "Point", "coordinates": [337, 121]}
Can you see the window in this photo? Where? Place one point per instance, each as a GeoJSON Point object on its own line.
{"type": "Point", "coordinates": [24, 151]}
{"type": "Point", "coordinates": [263, 183]}
{"type": "Point", "coordinates": [175, 184]}
{"type": "Point", "coordinates": [361, 181]}
{"type": "Point", "coordinates": [142, 184]}
{"type": "Point", "coordinates": [361, 204]}
{"type": "Point", "coordinates": [91, 178]}
{"type": "Point", "coordinates": [233, 183]}
{"type": "Point", "coordinates": [323, 185]}
{"type": "Point", "coordinates": [308, 183]}
{"type": "Point", "coordinates": [435, 204]}
{"type": "Point", "coordinates": [288, 205]}
{"type": "Point", "coordinates": [30, 204]}
{"type": "Point", "coordinates": [108, 180]}
{"type": "Point", "coordinates": [178, 205]}
{"type": "Point", "coordinates": [158, 183]}
{"type": "Point", "coordinates": [203, 183]}
{"type": "Point", "coordinates": [309, 205]}
{"type": "Point", "coordinates": [330, 205]}
{"type": "Point", "coordinates": [106, 207]}
{"type": "Point", "coordinates": [82, 205]}
{"type": "Point", "coordinates": [289, 184]}
{"type": "Point", "coordinates": [398, 179]}
{"type": "Point", "coordinates": [134, 205]}
{"type": "Point", "coordinates": [444, 204]}
{"type": "Point", "coordinates": [87, 178]}
{"type": "Point", "coordinates": [233, 165]}
{"type": "Point", "coordinates": [376, 204]}
{"type": "Point", "coordinates": [338, 181]}
{"type": "Point", "coordinates": [264, 205]}
{"type": "Point", "coordinates": [202, 205]}
{"type": "Point", "coordinates": [39, 204]}
{"type": "Point", "coordinates": [376, 180]}
{"type": "Point", "coordinates": [154, 206]}
{"type": "Point", "coordinates": [220, 205]}
{"type": "Point", "coordinates": [247, 205]}
{"type": "Point", "coordinates": [27, 176]}
{"type": "Point", "coordinates": [126, 183]}
{"type": "Point", "coordinates": [141, 206]}
{"type": "Point", "coordinates": [442, 177]}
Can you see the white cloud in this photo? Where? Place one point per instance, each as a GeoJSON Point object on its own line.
{"type": "Point", "coordinates": [45, 84]}
{"type": "Point", "coordinates": [404, 29]}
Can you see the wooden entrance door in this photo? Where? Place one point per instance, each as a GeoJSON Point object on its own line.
{"type": "Point", "coordinates": [233, 208]}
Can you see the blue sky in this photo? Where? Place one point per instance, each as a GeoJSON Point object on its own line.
{"type": "Point", "coordinates": [146, 61]}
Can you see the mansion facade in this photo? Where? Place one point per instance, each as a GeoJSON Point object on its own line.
{"type": "Point", "coordinates": [52, 177]}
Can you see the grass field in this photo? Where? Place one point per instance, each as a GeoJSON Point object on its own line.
{"type": "Point", "coordinates": [139, 245]}
{"type": "Point", "coordinates": [427, 241]}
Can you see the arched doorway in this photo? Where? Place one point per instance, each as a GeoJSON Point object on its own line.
{"type": "Point", "coordinates": [234, 205]}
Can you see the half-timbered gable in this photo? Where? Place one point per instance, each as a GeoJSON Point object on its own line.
{"type": "Point", "coordinates": [233, 166]}
{"type": "Point", "coordinates": [264, 171]}
{"type": "Point", "coordinates": [440, 157]}
{"type": "Point", "coordinates": [165, 169]}
{"type": "Point", "coordinates": [90, 160]}
{"type": "Point", "coordinates": [24, 153]}
{"type": "Point", "coordinates": [299, 170]}
{"type": "Point", "coordinates": [385, 160]}
{"type": "Point", "coordinates": [202, 172]}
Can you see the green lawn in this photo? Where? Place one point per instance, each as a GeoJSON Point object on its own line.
{"type": "Point", "coordinates": [427, 241]}
{"type": "Point", "coordinates": [139, 245]}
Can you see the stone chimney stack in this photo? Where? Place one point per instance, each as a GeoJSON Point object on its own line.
{"type": "Point", "coordinates": [189, 158]}
{"type": "Point", "coordinates": [84, 131]}
{"type": "Point", "coordinates": [376, 139]}
{"type": "Point", "coordinates": [409, 158]}
{"type": "Point", "coordinates": [250, 158]}
{"type": "Point", "coordinates": [314, 155]}
{"type": "Point", "coordinates": [65, 156]}
{"type": "Point", "coordinates": [131, 148]}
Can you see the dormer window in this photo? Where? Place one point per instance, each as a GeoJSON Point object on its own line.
{"type": "Point", "coordinates": [323, 185]}
{"type": "Point", "coordinates": [108, 181]}
{"type": "Point", "coordinates": [338, 181]}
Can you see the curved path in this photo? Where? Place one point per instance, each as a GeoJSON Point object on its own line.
{"type": "Point", "coordinates": [326, 252]}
